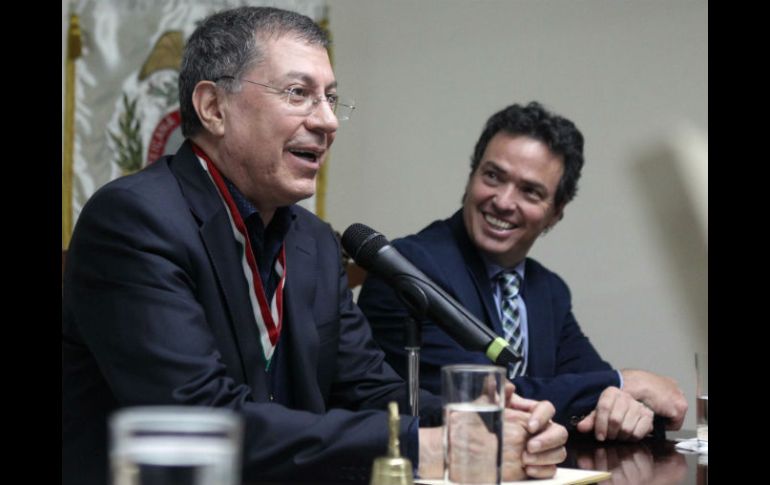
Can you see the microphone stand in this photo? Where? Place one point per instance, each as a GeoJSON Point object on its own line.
{"type": "Point", "coordinates": [413, 339]}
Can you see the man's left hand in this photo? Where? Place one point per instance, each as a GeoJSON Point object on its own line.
{"type": "Point", "coordinates": [545, 445]}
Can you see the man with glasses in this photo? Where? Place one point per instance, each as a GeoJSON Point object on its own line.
{"type": "Point", "coordinates": [198, 281]}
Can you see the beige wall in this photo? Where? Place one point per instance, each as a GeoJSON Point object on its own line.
{"type": "Point", "coordinates": [632, 75]}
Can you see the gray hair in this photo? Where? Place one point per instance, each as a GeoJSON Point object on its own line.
{"type": "Point", "coordinates": [230, 43]}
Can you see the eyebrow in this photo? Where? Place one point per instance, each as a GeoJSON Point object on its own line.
{"type": "Point", "coordinates": [489, 164]}
{"type": "Point", "coordinates": [497, 168]}
{"type": "Point", "coordinates": [307, 79]}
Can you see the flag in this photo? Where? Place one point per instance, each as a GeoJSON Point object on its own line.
{"type": "Point", "coordinates": [121, 108]}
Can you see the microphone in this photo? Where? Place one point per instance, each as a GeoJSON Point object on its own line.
{"type": "Point", "coordinates": [371, 250]}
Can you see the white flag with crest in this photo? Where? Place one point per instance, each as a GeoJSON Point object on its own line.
{"type": "Point", "coordinates": [124, 111]}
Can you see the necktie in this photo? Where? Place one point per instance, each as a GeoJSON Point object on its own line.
{"type": "Point", "coordinates": [511, 318]}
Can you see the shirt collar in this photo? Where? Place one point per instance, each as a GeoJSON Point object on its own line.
{"type": "Point", "coordinates": [282, 217]}
{"type": "Point", "coordinates": [494, 269]}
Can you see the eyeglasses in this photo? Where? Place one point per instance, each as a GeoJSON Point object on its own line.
{"type": "Point", "coordinates": [302, 102]}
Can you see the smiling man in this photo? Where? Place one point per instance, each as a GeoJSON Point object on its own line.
{"type": "Point", "coordinates": [524, 172]}
{"type": "Point", "coordinates": [198, 281]}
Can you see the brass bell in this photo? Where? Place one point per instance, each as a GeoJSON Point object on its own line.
{"type": "Point", "coordinates": [392, 469]}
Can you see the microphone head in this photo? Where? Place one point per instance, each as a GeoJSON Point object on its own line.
{"type": "Point", "coordinates": [362, 243]}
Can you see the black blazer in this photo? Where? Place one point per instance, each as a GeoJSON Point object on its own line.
{"type": "Point", "coordinates": [563, 366]}
{"type": "Point", "coordinates": [155, 311]}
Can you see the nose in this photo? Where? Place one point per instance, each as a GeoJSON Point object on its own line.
{"type": "Point", "coordinates": [505, 198]}
{"type": "Point", "coordinates": [322, 118]}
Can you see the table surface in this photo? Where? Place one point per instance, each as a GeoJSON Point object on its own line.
{"type": "Point", "coordinates": [649, 461]}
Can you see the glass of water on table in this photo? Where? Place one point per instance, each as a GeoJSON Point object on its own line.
{"type": "Point", "coordinates": [702, 397]}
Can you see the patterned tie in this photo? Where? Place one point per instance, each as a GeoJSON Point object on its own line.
{"type": "Point", "coordinates": [511, 319]}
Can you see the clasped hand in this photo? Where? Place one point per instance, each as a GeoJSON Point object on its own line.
{"type": "Point", "coordinates": [532, 444]}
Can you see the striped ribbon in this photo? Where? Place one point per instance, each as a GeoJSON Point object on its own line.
{"type": "Point", "coordinates": [269, 318]}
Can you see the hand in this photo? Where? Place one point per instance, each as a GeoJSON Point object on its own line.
{"type": "Point", "coordinates": [514, 439]}
{"type": "Point", "coordinates": [618, 416]}
{"type": "Point", "coordinates": [660, 393]}
{"type": "Point", "coordinates": [545, 444]}
{"type": "Point", "coordinates": [431, 453]}
{"type": "Point", "coordinates": [471, 446]}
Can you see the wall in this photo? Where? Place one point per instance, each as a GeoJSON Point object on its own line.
{"type": "Point", "coordinates": [634, 78]}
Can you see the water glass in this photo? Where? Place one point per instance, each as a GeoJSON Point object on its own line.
{"type": "Point", "coordinates": [702, 397]}
{"type": "Point", "coordinates": [164, 445]}
{"type": "Point", "coordinates": [473, 398]}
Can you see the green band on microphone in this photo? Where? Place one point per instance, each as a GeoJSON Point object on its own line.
{"type": "Point", "coordinates": [494, 349]}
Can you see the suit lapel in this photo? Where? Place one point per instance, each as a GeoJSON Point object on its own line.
{"type": "Point", "coordinates": [475, 268]}
{"type": "Point", "coordinates": [224, 253]}
{"type": "Point", "coordinates": [300, 335]}
{"type": "Point", "coordinates": [539, 312]}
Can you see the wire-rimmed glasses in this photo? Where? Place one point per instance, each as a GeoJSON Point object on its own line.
{"type": "Point", "coordinates": [303, 102]}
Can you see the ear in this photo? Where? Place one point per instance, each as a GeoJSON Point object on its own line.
{"type": "Point", "coordinates": [558, 214]}
{"type": "Point", "coordinates": [467, 188]}
{"type": "Point", "coordinates": [209, 104]}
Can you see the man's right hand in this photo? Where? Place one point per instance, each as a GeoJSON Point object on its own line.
{"type": "Point", "coordinates": [618, 416]}
{"type": "Point", "coordinates": [660, 393]}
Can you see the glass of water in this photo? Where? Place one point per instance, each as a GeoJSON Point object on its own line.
{"type": "Point", "coordinates": [473, 398]}
{"type": "Point", "coordinates": [163, 445]}
{"type": "Point", "coordinates": [702, 397]}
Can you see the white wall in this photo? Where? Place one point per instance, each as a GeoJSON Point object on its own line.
{"type": "Point", "coordinates": [426, 75]}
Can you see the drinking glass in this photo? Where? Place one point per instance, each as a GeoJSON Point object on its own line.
{"type": "Point", "coordinates": [164, 445]}
{"type": "Point", "coordinates": [702, 397]}
{"type": "Point", "coordinates": [473, 398]}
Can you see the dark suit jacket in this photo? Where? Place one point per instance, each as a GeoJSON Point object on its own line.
{"type": "Point", "coordinates": [155, 311]}
{"type": "Point", "coordinates": [563, 367]}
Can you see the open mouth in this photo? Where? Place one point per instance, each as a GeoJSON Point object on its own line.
{"type": "Point", "coordinates": [499, 223]}
{"type": "Point", "coordinates": [309, 155]}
